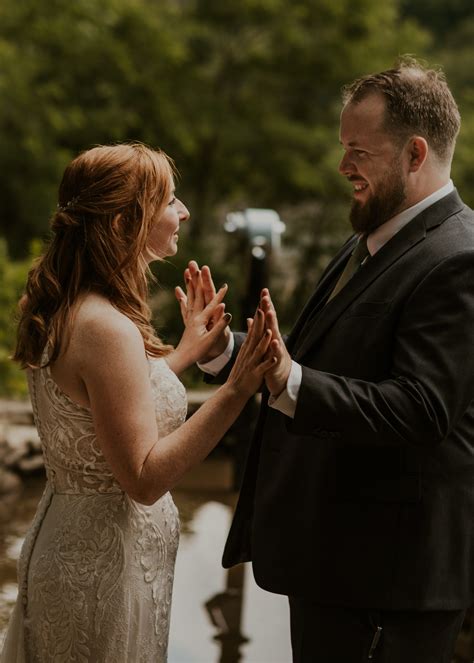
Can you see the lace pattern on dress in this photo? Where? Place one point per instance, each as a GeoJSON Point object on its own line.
{"type": "Point", "coordinates": [96, 568]}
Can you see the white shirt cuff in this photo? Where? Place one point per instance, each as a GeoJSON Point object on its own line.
{"type": "Point", "coordinates": [286, 401]}
{"type": "Point", "coordinates": [216, 365]}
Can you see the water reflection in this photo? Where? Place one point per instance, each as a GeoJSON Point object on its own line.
{"type": "Point", "coordinates": [218, 616]}
{"type": "Point", "coordinates": [225, 612]}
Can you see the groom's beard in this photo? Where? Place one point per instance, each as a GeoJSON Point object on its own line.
{"type": "Point", "coordinates": [387, 201]}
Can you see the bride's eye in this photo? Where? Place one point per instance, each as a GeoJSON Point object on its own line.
{"type": "Point", "coordinates": [172, 201]}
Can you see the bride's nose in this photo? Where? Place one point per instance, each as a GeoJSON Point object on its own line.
{"type": "Point", "coordinates": [183, 211]}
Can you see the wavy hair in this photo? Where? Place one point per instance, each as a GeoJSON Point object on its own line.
{"type": "Point", "coordinates": [109, 197]}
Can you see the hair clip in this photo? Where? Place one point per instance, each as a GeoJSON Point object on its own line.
{"type": "Point", "coordinates": [68, 205]}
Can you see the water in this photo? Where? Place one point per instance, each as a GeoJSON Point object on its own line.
{"type": "Point", "coordinates": [218, 616]}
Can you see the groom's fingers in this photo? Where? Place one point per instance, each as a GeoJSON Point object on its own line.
{"type": "Point", "coordinates": [266, 303]}
{"type": "Point", "coordinates": [275, 349]}
{"type": "Point", "coordinates": [265, 292]}
{"type": "Point", "coordinates": [271, 322]}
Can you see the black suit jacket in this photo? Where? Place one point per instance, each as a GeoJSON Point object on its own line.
{"type": "Point", "coordinates": [366, 497]}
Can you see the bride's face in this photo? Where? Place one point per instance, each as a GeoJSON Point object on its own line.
{"type": "Point", "coordinates": [163, 238]}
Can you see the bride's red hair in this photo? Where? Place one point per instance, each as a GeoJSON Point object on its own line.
{"type": "Point", "coordinates": [109, 197]}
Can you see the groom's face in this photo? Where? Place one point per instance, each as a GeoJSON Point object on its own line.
{"type": "Point", "coordinates": [373, 163]}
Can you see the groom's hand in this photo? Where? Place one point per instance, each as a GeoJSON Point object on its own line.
{"type": "Point", "coordinates": [277, 376]}
{"type": "Point", "coordinates": [201, 280]}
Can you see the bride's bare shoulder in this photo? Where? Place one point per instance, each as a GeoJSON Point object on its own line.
{"type": "Point", "coordinates": [99, 325]}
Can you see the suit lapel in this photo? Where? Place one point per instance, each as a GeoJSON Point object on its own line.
{"type": "Point", "coordinates": [408, 237]}
{"type": "Point", "coordinates": [322, 290]}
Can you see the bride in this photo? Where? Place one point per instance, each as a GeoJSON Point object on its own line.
{"type": "Point", "coordinates": [96, 568]}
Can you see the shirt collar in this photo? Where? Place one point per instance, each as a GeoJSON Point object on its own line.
{"type": "Point", "coordinates": [387, 230]}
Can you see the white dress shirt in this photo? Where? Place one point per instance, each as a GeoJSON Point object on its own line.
{"type": "Point", "coordinates": [286, 401]}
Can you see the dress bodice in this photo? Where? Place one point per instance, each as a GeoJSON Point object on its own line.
{"type": "Point", "coordinates": [73, 458]}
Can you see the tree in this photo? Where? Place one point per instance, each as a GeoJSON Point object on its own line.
{"type": "Point", "coordinates": [244, 94]}
{"type": "Point", "coordinates": [74, 75]}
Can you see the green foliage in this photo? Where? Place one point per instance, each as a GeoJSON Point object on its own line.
{"type": "Point", "coordinates": [440, 17]}
{"type": "Point", "coordinates": [12, 277]}
{"type": "Point", "coordinates": [452, 47]}
{"type": "Point", "coordinates": [244, 94]}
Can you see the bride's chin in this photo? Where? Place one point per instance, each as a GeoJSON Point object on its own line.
{"type": "Point", "coordinates": [151, 256]}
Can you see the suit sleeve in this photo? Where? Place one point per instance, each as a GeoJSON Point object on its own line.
{"type": "Point", "coordinates": [431, 381]}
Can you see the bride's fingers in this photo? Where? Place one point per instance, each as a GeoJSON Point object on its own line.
{"type": "Point", "coordinates": [191, 275]}
{"type": "Point", "coordinates": [198, 291]}
{"type": "Point", "coordinates": [217, 299]}
{"type": "Point", "coordinates": [207, 284]}
{"type": "Point", "coordinates": [189, 291]}
{"type": "Point", "coordinates": [219, 327]}
{"type": "Point", "coordinates": [220, 310]}
{"type": "Point", "coordinates": [258, 325]}
{"type": "Point", "coordinates": [255, 330]}
{"type": "Point", "coordinates": [263, 345]}
{"type": "Point", "coordinates": [259, 359]}
{"type": "Point", "coordinates": [183, 302]}
{"type": "Point", "coordinates": [180, 294]}
{"type": "Point", "coordinates": [193, 267]}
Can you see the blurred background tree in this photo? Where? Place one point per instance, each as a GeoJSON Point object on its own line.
{"type": "Point", "coordinates": [243, 94]}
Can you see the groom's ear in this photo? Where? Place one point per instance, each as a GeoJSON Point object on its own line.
{"type": "Point", "coordinates": [417, 153]}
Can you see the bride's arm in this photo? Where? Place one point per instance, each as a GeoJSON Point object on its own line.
{"type": "Point", "coordinates": [115, 372]}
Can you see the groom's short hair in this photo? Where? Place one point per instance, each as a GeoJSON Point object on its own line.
{"type": "Point", "coordinates": [418, 102]}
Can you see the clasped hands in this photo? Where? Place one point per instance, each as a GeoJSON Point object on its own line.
{"type": "Point", "coordinates": [206, 324]}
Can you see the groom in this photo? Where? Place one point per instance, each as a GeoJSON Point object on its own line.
{"type": "Point", "coordinates": [358, 496]}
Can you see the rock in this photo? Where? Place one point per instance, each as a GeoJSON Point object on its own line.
{"type": "Point", "coordinates": [17, 442]}
{"type": "Point", "coordinates": [31, 465]}
{"type": "Point", "coordinates": [20, 449]}
{"type": "Point", "coordinates": [16, 412]}
{"type": "Point", "coordinates": [9, 483]}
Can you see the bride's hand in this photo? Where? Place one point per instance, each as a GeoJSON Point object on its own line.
{"type": "Point", "coordinates": [204, 323]}
{"type": "Point", "coordinates": [255, 357]}
{"type": "Point", "coordinates": [202, 278]}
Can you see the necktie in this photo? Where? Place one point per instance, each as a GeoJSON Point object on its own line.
{"type": "Point", "coordinates": [358, 256]}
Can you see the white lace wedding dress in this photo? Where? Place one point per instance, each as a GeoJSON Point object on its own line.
{"type": "Point", "coordinates": [96, 568]}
